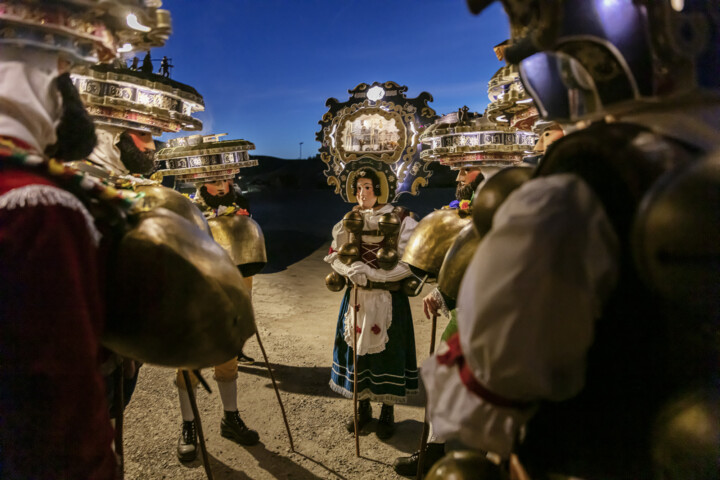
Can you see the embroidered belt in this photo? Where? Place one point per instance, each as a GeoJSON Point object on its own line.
{"type": "Point", "coordinates": [454, 356]}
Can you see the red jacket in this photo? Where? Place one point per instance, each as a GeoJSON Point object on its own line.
{"type": "Point", "coordinates": [54, 421]}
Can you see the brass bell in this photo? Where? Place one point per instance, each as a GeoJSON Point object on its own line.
{"type": "Point", "coordinates": [389, 224]}
{"type": "Point", "coordinates": [431, 239]}
{"type": "Point", "coordinates": [410, 286]}
{"type": "Point", "coordinates": [157, 196]}
{"type": "Point", "coordinates": [335, 282]}
{"type": "Point", "coordinates": [465, 465]}
{"type": "Point", "coordinates": [457, 260]}
{"type": "Point", "coordinates": [349, 253]}
{"type": "Point", "coordinates": [491, 194]}
{"type": "Point", "coordinates": [353, 222]}
{"type": "Point", "coordinates": [242, 239]}
{"type": "Point", "coordinates": [387, 258]}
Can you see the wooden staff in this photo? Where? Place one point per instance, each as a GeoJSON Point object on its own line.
{"type": "Point", "coordinates": [198, 424]}
{"type": "Point", "coordinates": [426, 424]}
{"type": "Point", "coordinates": [277, 392]}
{"type": "Point", "coordinates": [119, 401]}
{"type": "Point", "coordinates": [355, 385]}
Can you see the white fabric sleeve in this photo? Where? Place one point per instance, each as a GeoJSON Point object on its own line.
{"type": "Point", "coordinates": [401, 270]}
{"type": "Point", "coordinates": [526, 311]}
{"type": "Point", "coordinates": [339, 238]}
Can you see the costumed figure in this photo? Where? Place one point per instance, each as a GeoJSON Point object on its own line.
{"type": "Point", "coordinates": [165, 67]}
{"type": "Point", "coordinates": [588, 316]}
{"type": "Point", "coordinates": [124, 107]}
{"type": "Point", "coordinates": [365, 249]}
{"type": "Point", "coordinates": [370, 144]}
{"type": "Point", "coordinates": [212, 165]}
{"type": "Point", "coordinates": [55, 225]}
{"type": "Point", "coordinates": [488, 152]}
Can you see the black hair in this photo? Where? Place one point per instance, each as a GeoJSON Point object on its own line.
{"type": "Point", "coordinates": [76, 130]}
{"type": "Point", "coordinates": [367, 173]}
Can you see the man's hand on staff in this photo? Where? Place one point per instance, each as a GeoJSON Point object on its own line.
{"type": "Point", "coordinates": [430, 305]}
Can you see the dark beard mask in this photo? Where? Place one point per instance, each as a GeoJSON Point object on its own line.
{"type": "Point", "coordinates": [135, 161]}
{"type": "Point", "coordinates": [463, 192]}
{"type": "Point", "coordinates": [215, 201]}
{"type": "Point", "coordinates": [76, 130]}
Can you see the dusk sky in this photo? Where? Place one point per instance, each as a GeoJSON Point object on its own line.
{"type": "Point", "coordinates": [266, 67]}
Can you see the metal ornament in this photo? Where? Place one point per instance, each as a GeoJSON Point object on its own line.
{"type": "Point", "coordinates": [335, 282]}
{"type": "Point", "coordinates": [466, 465]}
{"type": "Point", "coordinates": [353, 222]}
{"type": "Point", "coordinates": [389, 224]}
{"type": "Point", "coordinates": [490, 195]}
{"type": "Point", "coordinates": [207, 323]}
{"type": "Point", "coordinates": [457, 260]}
{"type": "Point", "coordinates": [410, 286]}
{"type": "Point", "coordinates": [156, 196]}
{"type": "Point", "coordinates": [242, 238]}
{"type": "Point", "coordinates": [349, 253]}
{"type": "Point", "coordinates": [387, 258]}
{"type": "Point", "coordinates": [432, 238]}
{"type": "Point", "coordinates": [377, 127]}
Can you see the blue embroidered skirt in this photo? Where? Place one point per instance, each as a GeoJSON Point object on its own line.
{"type": "Point", "coordinates": [389, 376]}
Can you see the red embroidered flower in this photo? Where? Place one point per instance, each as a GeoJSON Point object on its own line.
{"type": "Point", "coordinates": [358, 329]}
{"type": "Point", "coordinates": [375, 329]}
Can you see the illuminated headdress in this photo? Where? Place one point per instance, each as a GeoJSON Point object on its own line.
{"type": "Point", "coordinates": [377, 128]}
{"type": "Point", "coordinates": [85, 31]}
{"type": "Point", "coordinates": [201, 159]}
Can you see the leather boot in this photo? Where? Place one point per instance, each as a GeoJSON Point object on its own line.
{"type": "Point", "coordinates": [234, 428]}
{"type": "Point", "coordinates": [364, 416]}
{"type": "Point", "coordinates": [407, 466]}
{"type": "Point", "coordinates": [386, 423]}
{"type": "Point", "coordinates": [187, 443]}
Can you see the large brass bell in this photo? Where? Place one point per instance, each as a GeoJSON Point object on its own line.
{"type": "Point", "coordinates": [465, 465]}
{"type": "Point", "coordinates": [457, 260]}
{"type": "Point", "coordinates": [175, 297]}
{"type": "Point", "coordinates": [157, 196]}
{"type": "Point", "coordinates": [349, 253]}
{"type": "Point", "coordinates": [431, 239]}
{"type": "Point", "coordinates": [389, 224]}
{"type": "Point", "coordinates": [335, 282]}
{"type": "Point", "coordinates": [491, 194]}
{"type": "Point", "coordinates": [387, 258]}
{"type": "Point", "coordinates": [353, 222]}
{"type": "Point", "coordinates": [243, 240]}
{"type": "Point", "coordinates": [676, 236]}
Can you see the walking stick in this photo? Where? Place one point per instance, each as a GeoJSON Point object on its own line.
{"type": "Point", "coordinates": [277, 392]}
{"type": "Point", "coordinates": [198, 424]}
{"type": "Point", "coordinates": [119, 401]}
{"type": "Point", "coordinates": [426, 424]}
{"type": "Point", "coordinates": [355, 399]}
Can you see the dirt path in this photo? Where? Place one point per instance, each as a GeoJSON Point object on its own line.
{"type": "Point", "coordinates": [296, 316]}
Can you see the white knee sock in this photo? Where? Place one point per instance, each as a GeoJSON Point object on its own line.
{"type": "Point", "coordinates": [185, 408]}
{"type": "Point", "coordinates": [228, 395]}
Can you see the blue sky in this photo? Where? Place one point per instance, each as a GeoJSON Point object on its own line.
{"type": "Point", "coordinates": [266, 67]}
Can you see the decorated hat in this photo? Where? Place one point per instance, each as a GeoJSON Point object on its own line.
{"type": "Point", "coordinates": [202, 159]}
{"type": "Point", "coordinates": [86, 31]}
{"type": "Point", "coordinates": [132, 99]}
{"type": "Point", "coordinates": [463, 139]}
{"type": "Point", "coordinates": [378, 127]}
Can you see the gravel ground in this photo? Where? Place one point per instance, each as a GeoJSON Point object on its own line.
{"type": "Point", "coordinates": [296, 318]}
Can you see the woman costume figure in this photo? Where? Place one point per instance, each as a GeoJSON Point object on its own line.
{"type": "Point", "coordinates": [386, 362]}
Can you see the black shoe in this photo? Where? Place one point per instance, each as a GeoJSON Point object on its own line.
{"type": "Point", "coordinates": [242, 358]}
{"type": "Point", "coordinates": [364, 416]}
{"type": "Point", "coordinates": [187, 444]}
{"type": "Point", "coordinates": [234, 428]}
{"type": "Point", "coordinates": [386, 423]}
{"type": "Point", "coordinates": [407, 466]}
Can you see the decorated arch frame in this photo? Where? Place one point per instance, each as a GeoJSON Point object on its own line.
{"type": "Point", "coordinates": [377, 127]}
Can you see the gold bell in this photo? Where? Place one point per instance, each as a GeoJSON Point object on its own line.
{"type": "Point", "coordinates": [335, 282]}
{"type": "Point", "coordinates": [465, 465]}
{"type": "Point", "coordinates": [431, 239]}
{"type": "Point", "coordinates": [353, 222]}
{"type": "Point", "coordinates": [389, 224]}
{"type": "Point", "coordinates": [491, 194]}
{"type": "Point", "coordinates": [410, 286]}
{"type": "Point", "coordinates": [387, 258]}
{"type": "Point", "coordinates": [349, 253]}
{"type": "Point", "coordinates": [157, 196]}
{"type": "Point", "coordinates": [457, 260]}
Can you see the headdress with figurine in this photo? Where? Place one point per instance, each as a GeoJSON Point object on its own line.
{"type": "Point", "coordinates": [377, 128]}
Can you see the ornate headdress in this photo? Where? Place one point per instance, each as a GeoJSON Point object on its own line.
{"type": "Point", "coordinates": [202, 159]}
{"type": "Point", "coordinates": [86, 31]}
{"type": "Point", "coordinates": [378, 128]}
